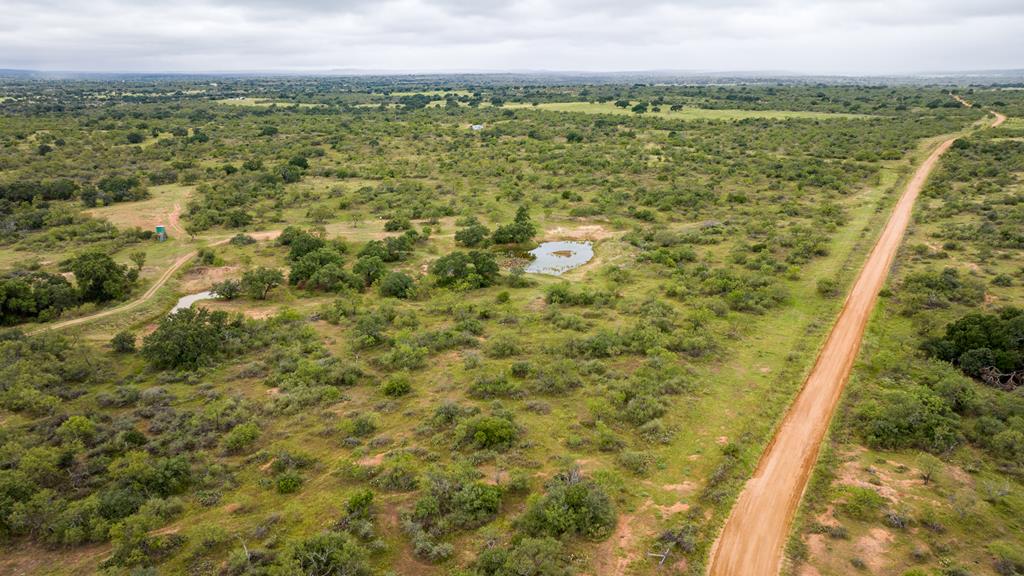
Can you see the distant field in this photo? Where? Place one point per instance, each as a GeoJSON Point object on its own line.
{"type": "Point", "coordinates": [261, 102]}
{"type": "Point", "coordinates": [684, 114]}
{"type": "Point", "coordinates": [441, 93]}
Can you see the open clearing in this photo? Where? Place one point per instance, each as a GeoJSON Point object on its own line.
{"type": "Point", "coordinates": [164, 207]}
{"type": "Point", "coordinates": [684, 114]}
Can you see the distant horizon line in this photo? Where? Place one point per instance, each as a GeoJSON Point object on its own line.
{"type": "Point", "coordinates": [344, 71]}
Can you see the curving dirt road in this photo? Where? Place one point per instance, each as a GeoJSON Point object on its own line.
{"type": "Point", "coordinates": [178, 263]}
{"type": "Point", "coordinates": [753, 538]}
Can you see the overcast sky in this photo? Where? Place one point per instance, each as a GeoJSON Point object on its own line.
{"type": "Point", "coordinates": [811, 36]}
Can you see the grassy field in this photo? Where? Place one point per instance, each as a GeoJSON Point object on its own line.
{"type": "Point", "coordinates": [261, 102]}
{"type": "Point", "coordinates": [684, 114]}
{"type": "Point", "coordinates": [147, 214]}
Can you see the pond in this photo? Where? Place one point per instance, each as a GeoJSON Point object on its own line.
{"type": "Point", "coordinates": [556, 258]}
{"type": "Point", "coordinates": [187, 301]}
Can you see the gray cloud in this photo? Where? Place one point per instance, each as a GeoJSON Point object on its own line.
{"type": "Point", "coordinates": [834, 36]}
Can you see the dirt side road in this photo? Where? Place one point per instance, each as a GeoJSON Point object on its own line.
{"type": "Point", "coordinates": [178, 263]}
{"type": "Point", "coordinates": [753, 538]}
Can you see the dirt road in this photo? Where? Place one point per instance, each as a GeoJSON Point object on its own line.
{"type": "Point", "coordinates": [174, 267]}
{"type": "Point", "coordinates": [753, 538]}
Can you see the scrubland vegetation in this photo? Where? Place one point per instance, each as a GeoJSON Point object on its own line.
{"type": "Point", "coordinates": [379, 388]}
{"type": "Point", "coordinates": [924, 472]}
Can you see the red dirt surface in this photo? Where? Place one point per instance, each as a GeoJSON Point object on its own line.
{"type": "Point", "coordinates": [754, 536]}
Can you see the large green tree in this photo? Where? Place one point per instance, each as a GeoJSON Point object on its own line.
{"type": "Point", "coordinates": [100, 279]}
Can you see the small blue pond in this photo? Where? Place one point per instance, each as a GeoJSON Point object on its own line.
{"type": "Point", "coordinates": [556, 258]}
{"type": "Point", "coordinates": [187, 301]}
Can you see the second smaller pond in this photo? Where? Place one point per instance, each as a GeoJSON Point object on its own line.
{"type": "Point", "coordinates": [556, 258]}
{"type": "Point", "coordinates": [187, 301]}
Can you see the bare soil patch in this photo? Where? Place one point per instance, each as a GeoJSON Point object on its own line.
{"type": "Point", "coordinates": [585, 232]}
{"type": "Point", "coordinates": [204, 277]}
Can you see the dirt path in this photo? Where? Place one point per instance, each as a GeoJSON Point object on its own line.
{"type": "Point", "coordinates": [754, 536]}
{"type": "Point", "coordinates": [174, 220]}
{"type": "Point", "coordinates": [178, 263]}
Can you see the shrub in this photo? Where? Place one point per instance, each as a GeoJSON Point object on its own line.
{"type": "Point", "coordinates": [123, 342]}
{"type": "Point", "coordinates": [241, 437]}
{"type": "Point", "coordinates": [405, 356]}
{"type": "Point", "coordinates": [369, 269]}
{"type": "Point", "coordinates": [1003, 280]}
{"type": "Point", "coordinates": [241, 240]}
{"type": "Point", "coordinates": [636, 462]}
{"type": "Point", "coordinates": [1009, 558]}
{"type": "Point", "coordinates": [228, 289]}
{"type": "Point", "coordinates": [396, 224]}
{"type": "Point", "coordinates": [472, 235]}
{"type": "Point", "coordinates": [911, 418]}
{"type": "Point", "coordinates": [398, 473]}
{"type": "Point", "coordinates": [571, 505]}
{"type": "Point", "coordinates": [78, 428]}
{"type": "Point", "coordinates": [311, 263]}
{"type": "Point", "coordinates": [330, 553]}
{"type": "Point", "coordinates": [828, 287]}
{"type": "Point", "coordinates": [503, 346]}
{"type": "Point", "coordinates": [396, 385]}
{"type": "Point", "coordinates": [861, 503]}
{"type": "Point", "coordinates": [454, 500]}
{"type": "Point", "coordinates": [397, 285]}
{"type": "Point", "coordinates": [486, 432]}
{"type": "Point", "coordinates": [491, 386]}
{"type": "Point", "coordinates": [465, 270]}
{"type": "Point", "coordinates": [521, 230]}
{"type": "Point", "coordinates": [527, 557]}
{"type": "Point", "coordinates": [288, 483]}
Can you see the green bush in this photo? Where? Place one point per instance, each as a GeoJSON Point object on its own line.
{"type": "Point", "coordinates": [397, 285]}
{"type": "Point", "coordinates": [329, 553]}
{"type": "Point", "coordinates": [908, 418]}
{"type": "Point", "coordinates": [503, 346]}
{"type": "Point", "coordinates": [828, 287]}
{"type": "Point", "coordinates": [396, 385]}
{"type": "Point", "coordinates": [227, 290]}
{"type": "Point", "coordinates": [571, 505]}
{"type": "Point", "coordinates": [398, 473]}
{"type": "Point", "coordinates": [454, 500]}
{"type": "Point", "coordinates": [288, 483]}
{"type": "Point", "coordinates": [241, 437]}
{"type": "Point", "coordinates": [123, 342]}
{"type": "Point", "coordinates": [526, 557]}
{"type": "Point", "coordinates": [465, 270]}
{"type": "Point", "coordinates": [486, 432]}
{"type": "Point", "coordinates": [861, 503]}
{"type": "Point", "coordinates": [636, 462]}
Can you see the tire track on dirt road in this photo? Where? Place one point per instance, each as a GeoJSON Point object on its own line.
{"type": "Point", "coordinates": [752, 541]}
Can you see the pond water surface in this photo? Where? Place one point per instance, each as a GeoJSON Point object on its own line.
{"type": "Point", "coordinates": [187, 301]}
{"type": "Point", "coordinates": [556, 258]}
